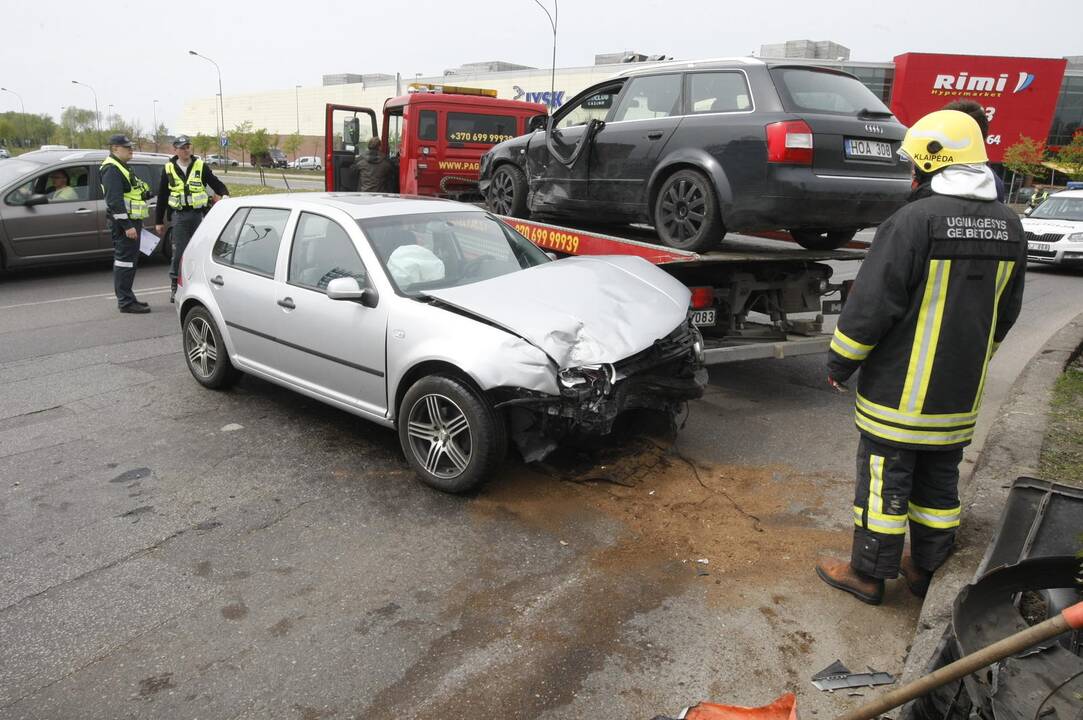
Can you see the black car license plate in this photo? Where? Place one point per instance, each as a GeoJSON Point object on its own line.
{"type": "Point", "coordinates": [832, 307]}
{"type": "Point", "coordinates": [861, 149]}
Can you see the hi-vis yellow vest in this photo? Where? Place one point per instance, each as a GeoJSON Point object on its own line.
{"type": "Point", "coordinates": [133, 196]}
{"type": "Point", "coordinates": [187, 193]}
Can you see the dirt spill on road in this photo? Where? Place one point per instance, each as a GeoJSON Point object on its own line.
{"type": "Point", "coordinates": [749, 523]}
{"type": "Point", "coordinates": [637, 518]}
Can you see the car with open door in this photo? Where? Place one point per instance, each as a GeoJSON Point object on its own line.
{"type": "Point", "coordinates": [698, 149]}
{"type": "Point", "coordinates": [434, 318]}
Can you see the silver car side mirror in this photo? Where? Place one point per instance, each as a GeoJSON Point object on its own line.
{"type": "Point", "coordinates": [347, 288]}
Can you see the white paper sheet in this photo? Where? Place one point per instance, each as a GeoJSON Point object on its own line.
{"type": "Point", "coordinates": [148, 241]}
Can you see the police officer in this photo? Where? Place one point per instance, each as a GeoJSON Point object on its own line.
{"type": "Point", "coordinates": [938, 292]}
{"type": "Point", "coordinates": [126, 206]}
{"type": "Point", "coordinates": [183, 190]}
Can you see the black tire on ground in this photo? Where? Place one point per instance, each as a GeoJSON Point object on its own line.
{"type": "Point", "coordinates": [165, 247]}
{"type": "Point", "coordinates": [822, 239]}
{"type": "Point", "coordinates": [451, 436]}
{"type": "Point", "coordinates": [686, 214]}
{"type": "Point", "coordinates": [507, 192]}
{"type": "Point", "coordinates": [205, 352]}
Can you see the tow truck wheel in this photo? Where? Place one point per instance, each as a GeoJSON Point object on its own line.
{"type": "Point", "coordinates": [452, 437]}
{"type": "Point", "coordinates": [822, 239]}
{"type": "Point", "coordinates": [507, 192]}
{"type": "Point", "coordinates": [686, 213]}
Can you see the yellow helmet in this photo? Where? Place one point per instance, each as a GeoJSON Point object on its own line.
{"type": "Point", "coordinates": [942, 138]}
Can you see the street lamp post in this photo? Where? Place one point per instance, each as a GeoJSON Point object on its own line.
{"type": "Point", "coordinates": [155, 111]}
{"type": "Point", "coordinates": [109, 115]}
{"type": "Point", "coordinates": [297, 105]}
{"type": "Point", "coordinates": [22, 109]}
{"type": "Point", "coordinates": [97, 118]}
{"type": "Point", "coordinates": [222, 100]}
{"type": "Point", "coordinates": [553, 77]}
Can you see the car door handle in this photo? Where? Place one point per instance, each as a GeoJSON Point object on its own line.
{"type": "Point", "coordinates": [217, 280]}
{"type": "Point", "coordinates": [654, 134]}
{"type": "Point", "coordinates": [287, 303]}
{"type": "Point", "coordinates": [82, 211]}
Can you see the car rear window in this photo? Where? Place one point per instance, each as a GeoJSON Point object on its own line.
{"type": "Point", "coordinates": [477, 128]}
{"type": "Point", "coordinates": [251, 238]}
{"type": "Point", "coordinates": [820, 91]}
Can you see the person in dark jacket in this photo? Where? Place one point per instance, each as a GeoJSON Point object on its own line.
{"type": "Point", "coordinates": [126, 207]}
{"type": "Point", "coordinates": [976, 111]}
{"type": "Point", "coordinates": [374, 171]}
{"type": "Point", "coordinates": [939, 290]}
{"type": "Point", "coordinates": [182, 192]}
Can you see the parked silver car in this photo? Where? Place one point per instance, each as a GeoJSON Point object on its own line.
{"type": "Point", "coordinates": [52, 209]}
{"type": "Point", "coordinates": [434, 318]}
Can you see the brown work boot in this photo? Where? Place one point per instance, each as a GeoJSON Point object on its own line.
{"type": "Point", "coordinates": [917, 579]}
{"type": "Point", "coordinates": [840, 574]}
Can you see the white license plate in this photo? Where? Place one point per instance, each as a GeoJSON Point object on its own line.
{"type": "Point", "coordinates": [1040, 247]}
{"type": "Point", "coordinates": [868, 149]}
{"type": "Point", "coordinates": [704, 317]}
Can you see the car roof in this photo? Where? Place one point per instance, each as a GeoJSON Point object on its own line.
{"type": "Point", "coordinates": [360, 206]}
{"type": "Point", "coordinates": [47, 157]}
{"type": "Point", "coordinates": [1067, 194]}
{"type": "Point", "coordinates": [722, 63]}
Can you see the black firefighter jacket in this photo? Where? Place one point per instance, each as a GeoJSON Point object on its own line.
{"type": "Point", "coordinates": [939, 290]}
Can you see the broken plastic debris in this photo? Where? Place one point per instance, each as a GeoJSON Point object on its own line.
{"type": "Point", "coordinates": [703, 561]}
{"type": "Point", "coordinates": [837, 676]}
{"type": "Point", "coordinates": [231, 427]}
{"type": "Point", "coordinates": [562, 542]}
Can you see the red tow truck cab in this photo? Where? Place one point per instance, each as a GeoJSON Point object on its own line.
{"type": "Point", "coordinates": [442, 132]}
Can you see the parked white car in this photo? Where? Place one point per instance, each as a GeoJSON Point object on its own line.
{"type": "Point", "coordinates": [218, 160]}
{"type": "Point", "coordinates": [434, 318]}
{"type": "Point", "coordinates": [1054, 229]}
{"type": "Point", "coordinates": [307, 162]}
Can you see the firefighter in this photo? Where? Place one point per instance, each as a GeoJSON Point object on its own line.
{"type": "Point", "coordinates": [126, 206]}
{"type": "Point", "coordinates": [938, 292]}
{"type": "Point", "coordinates": [183, 190]}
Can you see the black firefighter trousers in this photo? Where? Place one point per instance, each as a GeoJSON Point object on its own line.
{"type": "Point", "coordinates": [896, 487]}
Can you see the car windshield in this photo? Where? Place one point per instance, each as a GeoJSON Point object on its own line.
{"type": "Point", "coordinates": [818, 91]}
{"type": "Point", "coordinates": [14, 168]}
{"type": "Point", "coordinates": [442, 250]}
{"type": "Point", "coordinates": [1060, 208]}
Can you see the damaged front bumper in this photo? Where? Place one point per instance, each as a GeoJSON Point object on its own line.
{"type": "Point", "coordinates": [663, 377]}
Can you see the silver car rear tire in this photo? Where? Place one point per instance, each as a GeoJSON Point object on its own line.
{"type": "Point", "coordinates": [451, 436]}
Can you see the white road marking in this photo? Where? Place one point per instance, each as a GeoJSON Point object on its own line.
{"type": "Point", "coordinates": [148, 291]}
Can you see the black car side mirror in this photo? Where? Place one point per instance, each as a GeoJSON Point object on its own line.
{"type": "Point", "coordinates": [538, 122]}
{"type": "Point", "coordinates": [37, 199]}
{"type": "Point", "coordinates": [370, 298]}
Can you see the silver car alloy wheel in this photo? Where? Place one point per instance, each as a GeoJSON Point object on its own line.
{"type": "Point", "coordinates": [440, 436]}
{"type": "Point", "coordinates": [200, 348]}
{"type": "Point", "coordinates": [502, 193]}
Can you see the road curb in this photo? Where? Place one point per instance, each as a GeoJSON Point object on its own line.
{"type": "Point", "coordinates": [1012, 448]}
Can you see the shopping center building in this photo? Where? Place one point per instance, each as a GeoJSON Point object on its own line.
{"type": "Point", "coordinates": [905, 84]}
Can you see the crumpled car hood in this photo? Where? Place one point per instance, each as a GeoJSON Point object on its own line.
{"type": "Point", "coordinates": [580, 310]}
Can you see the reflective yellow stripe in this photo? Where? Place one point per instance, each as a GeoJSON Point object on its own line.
{"type": "Point", "coordinates": [876, 483]}
{"type": "Point", "coordinates": [880, 523]}
{"type": "Point", "coordinates": [892, 415]}
{"type": "Point", "coordinates": [1004, 271]}
{"type": "Point", "coordinates": [935, 517]}
{"type": "Point", "coordinates": [913, 435]}
{"type": "Point", "coordinates": [849, 348]}
{"type": "Point", "coordinates": [926, 336]}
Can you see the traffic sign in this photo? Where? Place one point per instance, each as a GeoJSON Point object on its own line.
{"type": "Point", "coordinates": [225, 141]}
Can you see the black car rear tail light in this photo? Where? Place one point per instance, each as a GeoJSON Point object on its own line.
{"type": "Point", "coordinates": [789, 142]}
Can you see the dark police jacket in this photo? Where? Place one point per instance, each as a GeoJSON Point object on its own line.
{"type": "Point", "coordinates": [939, 290]}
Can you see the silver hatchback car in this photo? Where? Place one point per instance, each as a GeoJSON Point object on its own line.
{"type": "Point", "coordinates": [434, 318]}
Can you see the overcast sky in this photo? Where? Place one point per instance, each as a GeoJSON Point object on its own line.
{"type": "Point", "coordinates": [135, 52]}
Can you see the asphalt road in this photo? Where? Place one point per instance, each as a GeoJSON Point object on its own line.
{"type": "Point", "coordinates": [171, 552]}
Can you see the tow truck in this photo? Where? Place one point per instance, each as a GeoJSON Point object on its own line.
{"type": "Point", "coordinates": [435, 135]}
{"type": "Point", "coordinates": [761, 297]}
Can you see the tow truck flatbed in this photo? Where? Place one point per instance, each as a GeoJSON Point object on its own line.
{"type": "Point", "coordinates": [767, 278]}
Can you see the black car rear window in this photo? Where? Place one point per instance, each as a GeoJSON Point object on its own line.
{"type": "Point", "coordinates": [478, 128]}
{"type": "Point", "coordinates": [820, 91]}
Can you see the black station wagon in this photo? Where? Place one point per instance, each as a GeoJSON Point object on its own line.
{"type": "Point", "coordinates": [701, 148]}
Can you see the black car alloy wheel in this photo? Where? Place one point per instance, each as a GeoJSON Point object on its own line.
{"type": "Point", "coordinates": [686, 214]}
{"type": "Point", "coordinates": [507, 192]}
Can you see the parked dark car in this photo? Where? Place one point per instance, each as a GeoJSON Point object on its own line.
{"type": "Point", "coordinates": [42, 224]}
{"type": "Point", "coordinates": [273, 158]}
{"type": "Point", "coordinates": [701, 148]}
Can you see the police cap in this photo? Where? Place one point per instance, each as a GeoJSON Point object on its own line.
{"type": "Point", "coordinates": [120, 139]}
{"type": "Point", "coordinates": [181, 141]}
